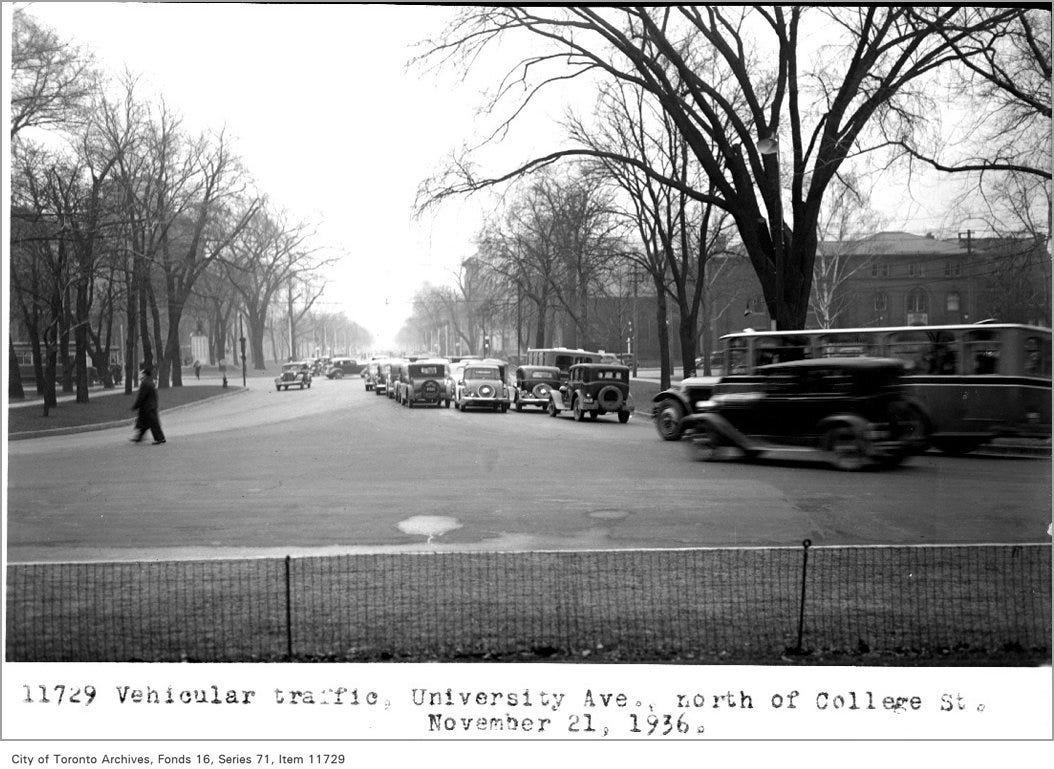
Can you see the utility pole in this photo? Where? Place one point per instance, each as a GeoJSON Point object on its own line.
{"type": "Point", "coordinates": [970, 309]}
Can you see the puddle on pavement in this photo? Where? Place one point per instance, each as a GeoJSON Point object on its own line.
{"type": "Point", "coordinates": [609, 515]}
{"type": "Point", "coordinates": [428, 525]}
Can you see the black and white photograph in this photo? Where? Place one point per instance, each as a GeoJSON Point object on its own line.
{"type": "Point", "coordinates": [550, 373]}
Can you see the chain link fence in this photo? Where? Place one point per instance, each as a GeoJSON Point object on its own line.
{"type": "Point", "coordinates": [638, 604]}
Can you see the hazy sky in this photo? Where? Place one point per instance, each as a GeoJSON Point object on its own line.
{"type": "Point", "coordinates": [332, 125]}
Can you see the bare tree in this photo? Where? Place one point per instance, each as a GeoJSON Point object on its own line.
{"type": "Point", "coordinates": [823, 111]}
{"type": "Point", "coordinates": [51, 79]}
{"type": "Point", "coordinates": [846, 217]}
{"type": "Point", "coordinates": [259, 261]}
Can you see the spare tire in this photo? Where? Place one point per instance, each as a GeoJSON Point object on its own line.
{"type": "Point", "coordinates": [610, 398]}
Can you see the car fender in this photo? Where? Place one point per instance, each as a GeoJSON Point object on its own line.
{"type": "Point", "coordinates": [718, 424]}
{"type": "Point", "coordinates": [557, 398]}
{"type": "Point", "coordinates": [674, 395]}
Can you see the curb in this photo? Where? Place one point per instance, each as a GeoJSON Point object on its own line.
{"type": "Point", "coordinates": [94, 427]}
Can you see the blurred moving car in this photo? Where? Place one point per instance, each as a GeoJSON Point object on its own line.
{"type": "Point", "coordinates": [479, 384]}
{"type": "Point", "coordinates": [671, 406]}
{"type": "Point", "coordinates": [294, 374]}
{"type": "Point", "coordinates": [339, 368]}
{"type": "Point", "coordinates": [850, 412]}
{"type": "Point", "coordinates": [594, 389]}
{"type": "Point", "coordinates": [533, 385]}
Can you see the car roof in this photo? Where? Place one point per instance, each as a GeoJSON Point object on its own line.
{"type": "Point", "coordinates": [538, 368]}
{"type": "Point", "coordinates": [855, 364]}
{"type": "Point", "coordinates": [602, 366]}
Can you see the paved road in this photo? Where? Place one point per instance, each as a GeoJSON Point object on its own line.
{"type": "Point", "coordinates": [337, 469]}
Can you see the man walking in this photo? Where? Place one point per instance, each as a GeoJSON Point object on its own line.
{"type": "Point", "coordinates": [146, 404]}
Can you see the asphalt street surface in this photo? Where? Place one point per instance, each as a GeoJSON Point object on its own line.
{"type": "Point", "coordinates": [338, 469]}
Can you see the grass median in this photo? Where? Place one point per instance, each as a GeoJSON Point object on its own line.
{"type": "Point", "coordinates": [100, 409]}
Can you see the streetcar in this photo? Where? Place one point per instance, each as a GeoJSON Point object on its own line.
{"type": "Point", "coordinates": [976, 382]}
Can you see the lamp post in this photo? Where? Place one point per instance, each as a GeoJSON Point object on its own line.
{"type": "Point", "coordinates": [241, 340]}
{"type": "Point", "coordinates": [771, 146]}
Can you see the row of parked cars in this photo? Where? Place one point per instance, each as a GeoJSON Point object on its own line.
{"type": "Point", "coordinates": [586, 390]}
{"type": "Point", "coordinates": [299, 373]}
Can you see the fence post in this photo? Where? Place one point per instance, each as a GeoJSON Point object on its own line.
{"type": "Point", "coordinates": [288, 610]}
{"type": "Point", "coordinates": [806, 544]}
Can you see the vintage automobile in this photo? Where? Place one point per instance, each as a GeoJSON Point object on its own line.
{"type": "Point", "coordinates": [425, 381]}
{"type": "Point", "coordinates": [671, 406]}
{"type": "Point", "coordinates": [339, 368]}
{"type": "Point", "coordinates": [593, 389]}
{"type": "Point", "coordinates": [375, 376]}
{"type": "Point", "coordinates": [393, 373]}
{"type": "Point", "coordinates": [294, 374]}
{"type": "Point", "coordinates": [533, 385]}
{"type": "Point", "coordinates": [850, 412]}
{"type": "Point", "coordinates": [479, 385]}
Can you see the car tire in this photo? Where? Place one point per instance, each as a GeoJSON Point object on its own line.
{"type": "Point", "coordinates": [576, 410]}
{"type": "Point", "coordinates": [623, 416]}
{"type": "Point", "coordinates": [668, 420]}
{"type": "Point", "coordinates": [847, 450]}
{"type": "Point", "coordinates": [504, 408]}
{"type": "Point", "coordinates": [551, 408]}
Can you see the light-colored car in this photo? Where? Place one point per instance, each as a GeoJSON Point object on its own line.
{"type": "Point", "coordinates": [479, 385]}
{"type": "Point", "coordinates": [294, 374]}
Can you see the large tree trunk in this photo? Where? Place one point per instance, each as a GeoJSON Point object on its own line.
{"type": "Point", "coordinates": [14, 376]}
{"type": "Point", "coordinates": [80, 339]}
{"type": "Point", "coordinates": [661, 319]}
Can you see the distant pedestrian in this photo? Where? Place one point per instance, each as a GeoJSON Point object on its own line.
{"type": "Point", "coordinates": [197, 369]}
{"type": "Point", "coordinates": [146, 404]}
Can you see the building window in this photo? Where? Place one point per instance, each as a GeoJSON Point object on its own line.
{"type": "Point", "coordinates": [916, 270]}
{"type": "Point", "coordinates": [952, 301]}
{"type": "Point", "coordinates": [952, 269]}
{"type": "Point", "coordinates": [917, 301]}
{"type": "Point", "coordinates": [879, 270]}
{"type": "Point", "coordinates": [881, 302]}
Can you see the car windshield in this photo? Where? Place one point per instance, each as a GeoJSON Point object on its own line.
{"type": "Point", "coordinates": [481, 372]}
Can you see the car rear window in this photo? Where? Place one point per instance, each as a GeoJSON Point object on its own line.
{"type": "Point", "coordinates": [435, 370]}
{"type": "Point", "coordinates": [476, 372]}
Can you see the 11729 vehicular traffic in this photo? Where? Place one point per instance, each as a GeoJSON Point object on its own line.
{"type": "Point", "coordinates": [594, 389]}
{"type": "Point", "coordinates": [851, 412]}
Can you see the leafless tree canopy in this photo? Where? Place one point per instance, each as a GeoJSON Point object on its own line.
{"type": "Point", "coordinates": [821, 81]}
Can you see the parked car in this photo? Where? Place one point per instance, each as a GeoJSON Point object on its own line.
{"type": "Point", "coordinates": [426, 381]}
{"type": "Point", "coordinates": [594, 389]}
{"type": "Point", "coordinates": [533, 385]}
{"type": "Point", "coordinates": [393, 373]}
{"type": "Point", "coordinates": [671, 406]}
{"type": "Point", "coordinates": [294, 374]}
{"type": "Point", "coordinates": [375, 373]}
{"type": "Point", "coordinates": [339, 368]}
{"type": "Point", "coordinates": [851, 412]}
{"type": "Point", "coordinates": [479, 385]}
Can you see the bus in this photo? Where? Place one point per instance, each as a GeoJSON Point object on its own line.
{"type": "Point", "coordinates": [976, 382]}
{"type": "Point", "coordinates": [561, 357]}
